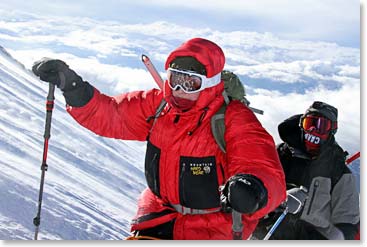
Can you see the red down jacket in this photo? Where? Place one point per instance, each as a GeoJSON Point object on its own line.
{"type": "Point", "coordinates": [184, 165]}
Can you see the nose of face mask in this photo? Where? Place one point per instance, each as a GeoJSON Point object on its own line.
{"type": "Point", "coordinates": [313, 141]}
{"type": "Point", "coordinates": [181, 103]}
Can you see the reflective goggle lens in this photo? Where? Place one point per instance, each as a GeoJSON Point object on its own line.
{"type": "Point", "coordinates": [189, 82]}
{"type": "Point", "coordinates": [320, 124]}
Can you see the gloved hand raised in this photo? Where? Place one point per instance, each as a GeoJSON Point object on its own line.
{"type": "Point", "coordinates": [244, 193]}
{"type": "Point", "coordinates": [57, 72]}
{"type": "Point", "coordinates": [296, 198]}
{"type": "Point", "coordinates": [76, 91]}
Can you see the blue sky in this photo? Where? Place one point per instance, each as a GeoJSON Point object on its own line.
{"type": "Point", "coordinates": [287, 53]}
{"type": "Point", "coordinates": [328, 20]}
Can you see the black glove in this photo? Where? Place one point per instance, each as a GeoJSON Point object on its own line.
{"type": "Point", "coordinates": [296, 198]}
{"type": "Point", "coordinates": [244, 193]}
{"type": "Point", "coordinates": [57, 72]}
{"type": "Point", "coordinates": [76, 91]}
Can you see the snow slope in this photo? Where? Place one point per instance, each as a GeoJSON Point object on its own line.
{"type": "Point", "coordinates": [92, 183]}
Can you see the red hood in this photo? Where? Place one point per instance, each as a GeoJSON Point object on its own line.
{"type": "Point", "coordinates": [211, 56]}
{"type": "Point", "coordinates": [206, 52]}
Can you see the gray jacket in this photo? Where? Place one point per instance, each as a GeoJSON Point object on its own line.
{"type": "Point", "coordinates": [327, 206]}
{"type": "Point", "coordinates": [331, 210]}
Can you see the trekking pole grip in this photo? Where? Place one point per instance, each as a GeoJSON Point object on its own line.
{"type": "Point", "coordinates": [49, 108]}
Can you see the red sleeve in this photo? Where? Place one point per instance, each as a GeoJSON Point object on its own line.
{"type": "Point", "coordinates": [121, 117]}
{"type": "Point", "coordinates": [251, 150]}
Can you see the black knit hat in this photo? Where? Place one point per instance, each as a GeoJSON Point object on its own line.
{"type": "Point", "coordinates": [326, 110]}
{"type": "Point", "coordinates": [188, 63]}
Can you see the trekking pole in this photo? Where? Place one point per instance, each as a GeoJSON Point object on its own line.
{"type": "Point", "coordinates": [353, 158]}
{"type": "Point", "coordinates": [276, 224]}
{"type": "Point", "coordinates": [237, 226]}
{"type": "Point", "coordinates": [49, 108]}
{"type": "Point", "coordinates": [153, 71]}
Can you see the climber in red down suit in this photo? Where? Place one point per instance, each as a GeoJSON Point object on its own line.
{"type": "Point", "coordinates": [184, 166]}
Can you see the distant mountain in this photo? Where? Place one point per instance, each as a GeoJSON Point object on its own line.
{"type": "Point", "coordinates": [92, 183]}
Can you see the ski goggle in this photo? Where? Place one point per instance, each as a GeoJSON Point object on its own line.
{"type": "Point", "coordinates": [321, 124]}
{"type": "Point", "coordinates": [190, 82]}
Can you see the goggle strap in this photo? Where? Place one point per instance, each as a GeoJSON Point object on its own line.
{"type": "Point", "coordinates": [334, 125]}
{"type": "Point", "coordinates": [212, 81]}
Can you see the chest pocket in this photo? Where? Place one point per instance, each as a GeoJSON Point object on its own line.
{"type": "Point", "coordinates": [317, 210]}
{"type": "Point", "coordinates": [198, 184]}
{"type": "Point", "coordinates": [152, 157]}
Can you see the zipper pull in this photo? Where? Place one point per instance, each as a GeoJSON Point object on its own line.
{"type": "Point", "coordinates": [183, 167]}
{"type": "Point", "coordinates": [177, 118]}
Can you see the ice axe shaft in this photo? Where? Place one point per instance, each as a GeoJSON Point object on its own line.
{"type": "Point", "coordinates": [153, 71]}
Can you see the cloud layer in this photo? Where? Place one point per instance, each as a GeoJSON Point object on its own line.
{"type": "Point", "coordinates": [327, 20]}
{"type": "Point", "coordinates": [282, 76]}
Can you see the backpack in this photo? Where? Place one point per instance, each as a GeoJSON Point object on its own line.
{"type": "Point", "coordinates": [233, 90]}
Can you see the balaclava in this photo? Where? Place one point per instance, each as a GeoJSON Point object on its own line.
{"type": "Point", "coordinates": [313, 139]}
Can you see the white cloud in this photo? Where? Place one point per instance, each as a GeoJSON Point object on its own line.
{"type": "Point", "coordinates": [328, 20]}
{"type": "Point", "coordinates": [113, 37]}
{"type": "Point", "coordinates": [88, 45]}
{"type": "Point", "coordinates": [350, 71]}
{"type": "Point", "coordinates": [302, 19]}
{"type": "Point", "coordinates": [278, 107]}
{"type": "Point", "coordinates": [300, 71]}
{"type": "Point", "coordinates": [110, 79]}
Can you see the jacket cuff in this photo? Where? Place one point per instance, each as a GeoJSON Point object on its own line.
{"type": "Point", "coordinates": [79, 96]}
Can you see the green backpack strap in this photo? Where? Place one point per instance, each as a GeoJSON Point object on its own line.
{"type": "Point", "coordinates": [217, 124]}
{"type": "Point", "coordinates": [233, 90]}
{"type": "Point", "coordinates": [218, 127]}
